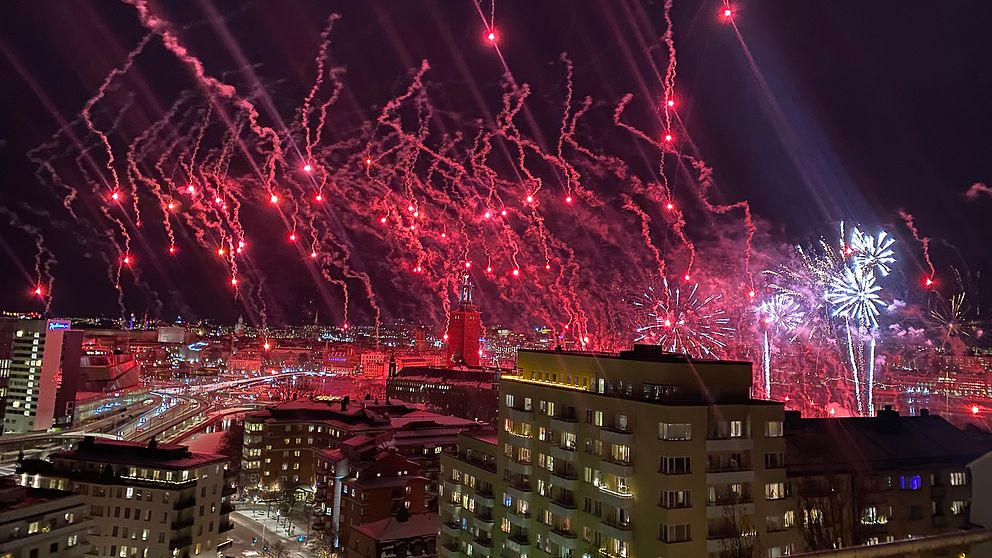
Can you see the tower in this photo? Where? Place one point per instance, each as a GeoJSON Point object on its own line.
{"type": "Point", "coordinates": [464, 329]}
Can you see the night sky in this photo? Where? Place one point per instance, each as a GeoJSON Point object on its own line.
{"type": "Point", "coordinates": [858, 109]}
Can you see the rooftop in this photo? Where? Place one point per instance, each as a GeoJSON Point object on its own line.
{"type": "Point", "coordinates": [392, 528]}
{"type": "Point", "coordinates": [150, 454]}
{"type": "Point", "coordinates": [884, 442]}
{"type": "Point", "coordinates": [15, 497]}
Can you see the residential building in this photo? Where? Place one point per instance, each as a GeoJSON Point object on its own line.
{"type": "Point", "coordinates": [462, 392]}
{"type": "Point", "coordinates": [468, 506]}
{"type": "Point", "coordinates": [882, 479]}
{"type": "Point", "coordinates": [41, 523]}
{"type": "Point", "coordinates": [146, 500]}
{"type": "Point", "coordinates": [43, 375]}
{"type": "Point", "coordinates": [281, 441]}
{"type": "Point", "coordinates": [361, 482]}
{"type": "Point", "coordinates": [407, 535]}
{"type": "Point", "coordinates": [637, 454]}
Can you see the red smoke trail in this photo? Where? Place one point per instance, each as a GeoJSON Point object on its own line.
{"type": "Point", "coordinates": [924, 242]}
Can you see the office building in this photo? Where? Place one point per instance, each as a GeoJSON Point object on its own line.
{"type": "Point", "coordinates": [43, 376]}
{"type": "Point", "coordinates": [146, 500]}
{"type": "Point", "coordinates": [636, 454]}
{"type": "Point", "coordinates": [42, 523]}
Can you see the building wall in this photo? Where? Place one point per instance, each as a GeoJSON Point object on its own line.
{"type": "Point", "coordinates": [582, 472]}
{"type": "Point", "coordinates": [154, 513]}
{"type": "Point", "coordinates": [56, 527]}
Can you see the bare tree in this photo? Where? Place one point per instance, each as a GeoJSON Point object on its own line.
{"type": "Point", "coordinates": [738, 522]}
{"type": "Point", "coordinates": [824, 509]}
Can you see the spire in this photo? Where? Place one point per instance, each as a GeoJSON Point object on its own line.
{"type": "Point", "coordinates": [465, 291]}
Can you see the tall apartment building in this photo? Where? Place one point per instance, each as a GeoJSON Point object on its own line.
{"type": "Point", "coordinates": [42, 523]}
{"type": "Point", "coordinates": [636, 454]}
{"type": "Point", "coordinates": [468, 506]}
{"type": "Point", "coordinates": [281, 441]}
{"type": "Point", "coordinates": [146, 500]}
{"type": "Point", "coordinates": [882, 479]}
{"type": "Point", "coordinates": [42, 376]}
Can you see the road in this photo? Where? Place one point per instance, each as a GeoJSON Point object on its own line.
{"type": "Point", "coordinates": [266, 532]}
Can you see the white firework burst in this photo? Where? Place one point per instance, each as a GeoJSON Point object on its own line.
{"type": "Point", "coordinates": [781, 312]}
{"type": "Point", "coordinates": [873, 253]}
{"type": "Point", "coordinates": [853, 295]}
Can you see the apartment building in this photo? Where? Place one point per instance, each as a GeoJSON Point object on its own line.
{"type": "Point", "coordinates": [468, 502]}
{"type": "Point", "coordinates": [882, 479]}
{"type": "Point", "coordinates": [360, 483]}
{"type": "Point", "coordinates": [147, 500]}
{"type": "Point", "coordinates": [41, 523]}
{"type": "Point", "coordinates": [281, 441]}
{"type": "Point", "coordinates": [636, 454]}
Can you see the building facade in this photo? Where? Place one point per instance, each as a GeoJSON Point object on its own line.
{"type": "Point", "coordinates": [464, 330]}
{"type": "Point", "coordinates": [882, 479]}
{"type": "Point", "coordinates": [469, 393]}
{"type": "Point", "coordinates": [42, 523]}
{"type": "Point", "coordinates": [43, 375]}
{"type": "Point", "coordinates": [636, 454]}
{"type": "Point", "coordinates": [281, 441]}
{"type": "Point", "coordinates": [146, 500]}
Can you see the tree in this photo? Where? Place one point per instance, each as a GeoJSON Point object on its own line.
{"type": "Point", "coordinates": [738, 524]}
{"type": "Point", "coordinates": [232, 442]}
{"type": "Point", "coordinates": [277, 549]}
{"type": "Point", "coordinates": [824, 509]}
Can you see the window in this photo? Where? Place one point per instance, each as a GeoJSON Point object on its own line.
{"type": "Point", "coordinates": [509, 400]}
{"type": "Point", "coordinates": [775, 491]}
{"type": "Point", "coordinates": [620, 453]}
{"type": "Point", "coordinates": [675, 499]}
{"type": "Point", "coordinates": [913, 482]}
{"type": "Point", "coordinates": [504, 525]}
{"type": "Point", "coordinates": [72, 541]}
{"type": "Point", "coordinates": [773, 429]}
{"type": "Point", "coordinates": [872, 515]}
{"type": "Point", "coordinates": [958, 507]}
{"type": "Point", "coordinates": [528, 404]}
{"type": "Point", "coordinates": [774, 460]}
{"type": "Point", "coordinates": [959, 478]}
{"type": "Point", "coordinates": [32, 527]}
{"type": "Point", "coordinates": [679, 532]}
{"type": "Point", "coordinates": [789, 519]}
{"type": "Point", "coordinates": [598, 418]}
{"type": "Point", "coordinates": [678, 431]}
{"type": "Point", "coordinates": [675, 465]}
{"type": "Point", "coordinates": [736, 429]}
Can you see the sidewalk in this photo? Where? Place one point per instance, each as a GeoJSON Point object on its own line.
{"type": "Point", "coordinates": [269, 527]}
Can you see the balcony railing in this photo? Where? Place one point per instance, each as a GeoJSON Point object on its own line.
{"type": "Point", "coordinates": [184, 504]}
{"type": "Point", "coordinates": [180, 542]}
{"type": "Point", "coordinates": [181, 524]}
{"type": "Point", "coordinates": [727, 467]}
{"type": "Point", "coordinates": [731, 498]}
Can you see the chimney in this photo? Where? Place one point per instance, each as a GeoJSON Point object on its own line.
{"type": "Point", "coordinates": [344, 402]}
{"type": "Point", "coordinates": [924, 412]}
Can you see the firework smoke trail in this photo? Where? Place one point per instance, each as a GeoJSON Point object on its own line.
{"type": "Point", "coordinates": [664, 196]}
{"type": "Point", "coordinates": [44, 259]}
{"type": "Point", "coordinates": [924, 243]}
{"type": "Point", "coordinates": [101, 91]}
{"type": "Point", "coordinates": [318, 80]}
{"type": "Point", "coordinates": [669, 82]}
{"type": "Point", "coordinates": [705, 181]}
{"type": "Point", "coordinates": [646, 233]}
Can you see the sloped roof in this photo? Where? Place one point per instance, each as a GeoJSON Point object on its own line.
{"type": "Point", "coordinates": [392, 529]}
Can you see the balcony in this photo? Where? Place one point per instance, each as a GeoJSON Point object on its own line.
{"type": "Point", "coordinates": [484, 497]}
{"type": "Point", "coordinates": [518, 542]}
{"type": "Point", "coordinates": [517, 415]}
{"type": "Point", "coordinates": [184, 504]}
{"type": "Point", "coordinates": [518, 518]}
{"type": "Point", "coordinates": [451, 486]}
{"type": "Point", "coordinates": [520, 467]}
{"type": "Point", "coordinates": [226, 508]}
{"type": "Point", "coordinates": [450, 551]}
{"type": "Point", "coordinates": [563, 505]}
{"type": "Point", "coordinates": [482, 546]}
{"type": "Point", "coordinates": [519, 490]}
{"type": "Point", "coordinates": [730, 477]}
{"type": "Point", "coordinates": [483, 523]}
{"type": "Point", "coordinates": [563, 538]}
{"type": "Point", "coordinates": [225, 526]}
{"type": "Point", "coordinates": [181, 524]}
{"type": "Point", "coordinates": [617, 498]}
{"type": "Point", "coordinates": [565, 478]}
{"type": "Point", "coordinates": [564, 423]}
{"type": "Point", "coordinates": [616, 435]}
{"type": "Point", "coordinates": [451, 529]}
{"type": "Point", "coordinates": [611, 466]}
{"type": "Point", "coordinates": [718, 444]}
{"type": "Point", "coordinates": [563, 453]}
{"type": "Point", "coordinates": [618, 531]}
{"type": "Point", "coordinates": [180, 542]}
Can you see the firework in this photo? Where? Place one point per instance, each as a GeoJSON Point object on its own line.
{"type": "Point", "coordinates": [853, 294]}
{"type": "Point", "coordinates": [873, 253]}
{"type": "Point", "coordinates": [682, 321]}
